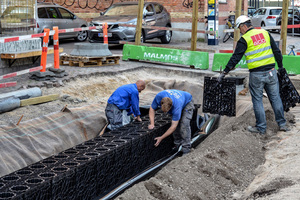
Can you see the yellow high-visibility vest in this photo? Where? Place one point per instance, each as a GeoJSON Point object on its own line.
{"type": "Point", "coordinates": [259, 51]}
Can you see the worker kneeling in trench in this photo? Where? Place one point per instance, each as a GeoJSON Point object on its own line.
{"type": "Point", "coordinates": [180, 105]}
{"type": "Point", "coordinates": [124, 99]}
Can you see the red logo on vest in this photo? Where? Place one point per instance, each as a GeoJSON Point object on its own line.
{"type": "Point", "coordinates": [258, 39]}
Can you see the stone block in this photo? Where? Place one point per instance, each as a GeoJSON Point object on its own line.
{"type": "Point", "coordinates": [90, 50]}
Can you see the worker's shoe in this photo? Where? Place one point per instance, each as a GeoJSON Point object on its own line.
{"type": "Point", "coordinates": [255, 130]}
{"type": "Point", "coordinates": [284, 128]}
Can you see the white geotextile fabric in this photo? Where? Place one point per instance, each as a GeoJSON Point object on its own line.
{"type": "Point", "coordinates": [37, 139]}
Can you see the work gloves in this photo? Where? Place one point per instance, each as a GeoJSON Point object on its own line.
{"type": "Point", "coordinates": [281, 70]}
{"type": "Point", "coordinates": [221, 76]}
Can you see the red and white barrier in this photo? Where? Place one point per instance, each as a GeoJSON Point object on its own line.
{"type": "Point", "coordinates": [26, 37]}
{"type": "Point", "coordinates": [23, 72]}
{"type": "Point", "coordinates": [266, 28]}
{"type": "Point", "coordinates": [225, 51]}
{"type": "Point", "coordinates": [8, 84]}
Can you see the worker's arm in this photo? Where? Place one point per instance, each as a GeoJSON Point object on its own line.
{"type": "Point", "coordinates": [167, 133]}
{"type": "Point", "coordinates": [135, 104]}
{"type": "Point", "coordinates": [151, 118]}
{"type": "Point", "coordinates": [239, 51]}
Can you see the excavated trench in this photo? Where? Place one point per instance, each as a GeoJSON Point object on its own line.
{"type": "Point", "coordinates": [221, 166]}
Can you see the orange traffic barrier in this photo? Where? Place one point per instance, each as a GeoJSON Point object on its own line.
{"type": "Point", "coordinates": [45, 50]}
{"type": "Point", "coordinates": [56, 48]}
{"type": "Point", "coordinates": [105, 38]}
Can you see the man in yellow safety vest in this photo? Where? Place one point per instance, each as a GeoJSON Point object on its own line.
{"type": "Point", "coordinates": [260, 51]}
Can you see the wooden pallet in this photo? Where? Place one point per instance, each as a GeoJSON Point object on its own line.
{"type": "Point", "coordinates": [82, 61]}
{"type": "Point", "coordinates": [12, 57]}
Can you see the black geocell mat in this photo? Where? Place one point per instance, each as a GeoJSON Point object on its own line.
{"type": "Point", "coordinates": [94, 168]}
{"type": "Point", "coordinates": [288, 93]}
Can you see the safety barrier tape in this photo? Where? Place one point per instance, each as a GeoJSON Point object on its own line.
{"type": "Point", "coordinates": [26, 37]}
{"type": "Point", "coordinates": [266, 28]}
{"type": "Point", "coordinates": [169, 28]}
{"type": "Point", "coordinates": [23, 72]}
{"type": "Point", "coordinates": [8, 84]}
{"type": "Point", "coordinates": [225, 51]}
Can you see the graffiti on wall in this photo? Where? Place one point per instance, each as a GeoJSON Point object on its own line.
{"type": "Point", "coordinates": [98, 4]}
{"type": "Point", "coordinates": [188, 4]}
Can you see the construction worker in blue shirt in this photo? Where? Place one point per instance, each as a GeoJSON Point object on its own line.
{"type": "Point", "coordinates": [260, 51]}
{"type": "Point", "coordinates": [180, 105]}
{"type": "Point", "coordinates": [125, 97]}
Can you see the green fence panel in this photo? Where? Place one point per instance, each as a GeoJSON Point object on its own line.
{"type": "Point", "coordinates": [290, 63]}
{"type": "Point", "coordinates": [177, 56]}
{"type": "Point", "coordinates": [221, 60]}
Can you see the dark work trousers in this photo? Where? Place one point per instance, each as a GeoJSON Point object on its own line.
{"type": "Point", "coordinates": [114, 116]}
{"type": "Point", "coordinates": [182, 134]}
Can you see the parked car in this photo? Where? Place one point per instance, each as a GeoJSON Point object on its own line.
{"type": "Point", "coordinates": [265, 16]}
{"type": "Point", "coordinates": [51, 14]}
{"type": "Point", "coordinates": [154, 14]}
{"type": "Point", "coordinates": [45, 15]}
{"type": "Point", "coordinates": [17, 18]}
{"type": "Point", "coordinates": [290, 19]}
{"type": "Point", "coordinates": [251, 11]}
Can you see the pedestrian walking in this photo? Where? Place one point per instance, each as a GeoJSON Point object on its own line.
{"type": "Point", "coordinates": [261, 52]}
{"type": "Point", "coordinates": [180, 105]}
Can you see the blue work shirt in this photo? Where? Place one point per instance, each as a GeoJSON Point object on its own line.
{"type": "Point", "coordinates": [126, 97]}
{"type": "Point", "coordinates": [179, 100]}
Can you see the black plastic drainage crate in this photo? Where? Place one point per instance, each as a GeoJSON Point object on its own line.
{"type": "Point", "coordinates": [219, 97]}
{"type": "Point", "coordinates": [93, 168]}
{"type": "Point", "coordinates": [288, 93]}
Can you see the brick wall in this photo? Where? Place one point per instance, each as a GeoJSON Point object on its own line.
{"type": "Point", "coordinates": [180, 10]}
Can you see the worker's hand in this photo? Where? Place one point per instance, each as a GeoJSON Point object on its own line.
{"type": "Point", "coordinates": [138, 118]}
{"type": "Point", "coordinates": [158, 140]}
{"type": "Point", "coordinates": [150, 126]}
{"type": "Point", "coordinates": [281, 71]}
{"type": "Point", "coordinates": [221, 76]}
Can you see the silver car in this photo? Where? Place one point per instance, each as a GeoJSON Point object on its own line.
{"type": "Point", "coordinates": [45, 15]}
{"type": "Point", "coordinates": [154, 14]}
{"type": "Point", "coordinates": [265, 16]}
{"type": "Point", "coordinates": [50, 14]}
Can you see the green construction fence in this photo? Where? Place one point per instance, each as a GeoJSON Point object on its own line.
{"type": "Point", "coordinates": [290, 63]}
{"type": "Point", "coordinates": [165, 55]}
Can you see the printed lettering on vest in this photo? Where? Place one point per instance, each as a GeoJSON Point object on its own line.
{"type": "Point", "coordinates": [258, 39]}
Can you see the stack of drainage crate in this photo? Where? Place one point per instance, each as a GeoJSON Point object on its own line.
{"type": "Point", "coordinates": [93, 168]}
{"type": "Point", "coordinates": [219, 97]}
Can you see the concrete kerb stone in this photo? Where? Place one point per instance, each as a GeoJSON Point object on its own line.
{"type": "Point", "coordinates": [90, 50]}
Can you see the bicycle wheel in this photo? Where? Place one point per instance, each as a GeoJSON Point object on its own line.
{"type": "Point", "coordinates": [226, 37]}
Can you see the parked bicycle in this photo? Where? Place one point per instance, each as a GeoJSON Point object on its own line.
{"type": "Point", "coordinates": [229, 25]}
{"type": "Point", "coordinates": [292, 52]}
